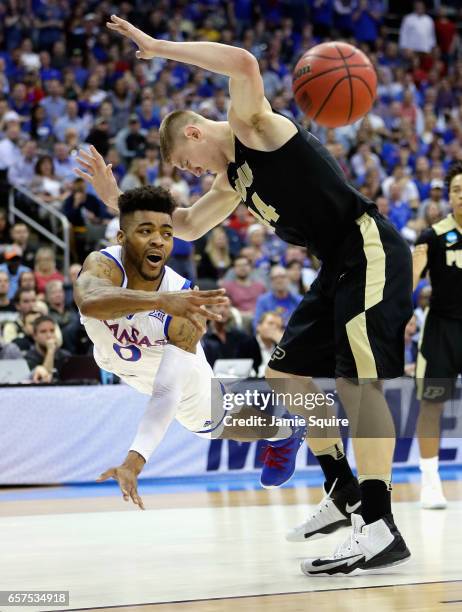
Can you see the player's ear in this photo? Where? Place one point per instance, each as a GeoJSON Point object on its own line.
{"type": "Point", "coordinates": [193, 132]}
{"type": "Point", "coordinates": [121, 237]}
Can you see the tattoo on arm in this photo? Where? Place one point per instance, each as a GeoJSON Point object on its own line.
{"type": "Point", "coordinates": [184, 334]}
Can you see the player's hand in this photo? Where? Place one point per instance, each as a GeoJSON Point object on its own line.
{"type": "Point", "coordinates": [145, 43]}
{"type": "Point", "coordinates": [41, 375]}
{"type": "Point", "coordinates": [128, 483]}
{"type": "Point", "coordinates": [98, 174]}
{"type": "Point", "coordinates": [192, 304]}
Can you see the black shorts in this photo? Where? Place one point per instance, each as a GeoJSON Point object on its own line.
{"type": "Point", "coordinates": [439, 360]}
{"type": "Point", "coordinates": [355, 330]}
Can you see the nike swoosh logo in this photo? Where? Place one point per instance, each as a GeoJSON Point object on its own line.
{"type": "Point", "coordinates": [334, 563]}
{"type": "Point", "coordinates": [450, 244]}
{"type": "Point", "coordinates": [351, 509]}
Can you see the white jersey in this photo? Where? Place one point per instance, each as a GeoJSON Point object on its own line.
{"type": "Point", "coordinates": [132, 347]}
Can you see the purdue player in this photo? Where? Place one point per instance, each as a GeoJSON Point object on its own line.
{"type": "Point", "coordinates": [439, 361]}
{"type": "Point", "coordinates": [146, 329]}
{"type": "Point", "coordinates": [349, 325]}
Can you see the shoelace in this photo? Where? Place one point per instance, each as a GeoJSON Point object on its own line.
{"type": "Point", "coordinates": [275, 456]}
{"type": "Point", "coordinates": [347, 546]}
{"type": "Point", "coordinates": [323, 503]}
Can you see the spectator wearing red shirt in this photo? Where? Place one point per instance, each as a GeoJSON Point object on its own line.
{"type": "Point", "coordinates": [243, 292]}
{"type": "Point", "coordinates": [45, 268]}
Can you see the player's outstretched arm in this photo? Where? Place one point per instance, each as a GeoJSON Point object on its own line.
{"type": "Point", "coordinates": [188, 223]}
{"type": "Point", "coordinates": [98, 294]}
{"type": "Point", "coordinates": [210, 209]}
{"type": "Point", "coordinates": [246, 83]}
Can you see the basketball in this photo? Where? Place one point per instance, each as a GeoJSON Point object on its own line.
{"type": "Point", "coordinates": [334, 84]}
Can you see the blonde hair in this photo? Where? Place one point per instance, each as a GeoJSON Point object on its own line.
{"type": "Point", "coordinates": [171, 130]}
{"type": "Point", "coordinates": [218, 257]}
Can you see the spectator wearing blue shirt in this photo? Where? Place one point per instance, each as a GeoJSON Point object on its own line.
{"type": "Point", "coordinates": [54, 104]}
{"type": "Point", "coordinates": [366, 21]}
{"type": "Point", "coordinates": [400, 211]}
{"type": "Point", "coordinates": [13, 267]}
{"type": "Point", "coordinates": [279, 299]}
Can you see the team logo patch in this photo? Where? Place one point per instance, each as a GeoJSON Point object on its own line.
{"type": "Point", "coordinates": [433, 392]}
{"type": "Point", "coordinates": [452, 237]}
{"type": "Point", "coordinates": [158, 314]}
{"type": "Point", "coordinates": [278, 353]}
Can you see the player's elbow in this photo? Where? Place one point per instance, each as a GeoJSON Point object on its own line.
{"type": "Point", "coordinates": [247, 65]}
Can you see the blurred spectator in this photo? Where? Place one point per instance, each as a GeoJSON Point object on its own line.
{"type": "Point", "coordinates": [256, 235]}
{"type": "Point", "coordinates": [45, 351]}
{"type": "Point", "coordinates": [85, 213]}
{"type": "Point", "coordinates": [20, 237]}
{"type": "Point", "coordinates": [24, 301]}
{"type": "Point", "coordinates": [56, 302]}
{"type": "Point", "coordinates": [423, 294]}
{"type": "Point", "coordinates": [54, 103]}
{"type": "Point", "coordinates": [279, 299]}
{"type": "Point", "coordinates": [62, 163]}
{"type": "Point", "coordinates": [294, 271]}
{"type": "Point", "coordinates": [25, 340]}
{"type": "Point", "coordinates": [14, 267]}
{"type": "Point", "coordinates": [399, 210]}
{"type": "Point", "coordinates": [27, 280]}
{"type": "Point", "coordinates": [70, 119]}
{"type": "Point", "coordinates": [270, 329]}
{"type": "Point", "coordinates": [46, 184]}
{"type": "Point", "coordinates": [243, 291]}
{"type": "Point", "coordinates": [417, 31]}
{"type": "Point", "coordinates": [45, 268]}
{"type": "Point", "coordinates": [131, 141]}
{"type": "Point", "coordinates": [410, 347]}
{"type": "Point", "coordinates": [40, 128]}
{"type": "Point", "coordinates": [7, 308]}
{"type": "Point", "coordinates": [21, 172]}
{"type": "Point", "coordinates": [436, 197]}
{"type": "Point", "coordinates": [9, 351]}
{"type": "Point", "coordinates": [137, 175]}
{"type": "Point", "coordinates": [215, 259]}
{"type": "Point", "coordinates": [223, 340]}
{"type": "Point", "coordinates": [10, 151]}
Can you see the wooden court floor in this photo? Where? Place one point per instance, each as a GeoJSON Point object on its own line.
{"type": "Point", "coordinates": [219, 551]}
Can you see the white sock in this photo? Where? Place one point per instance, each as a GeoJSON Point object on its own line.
{"type": "Point", "coordinates": [429, 465]}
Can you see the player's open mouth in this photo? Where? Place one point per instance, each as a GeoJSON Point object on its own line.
{"type": "Point", "coordinates": [154, 259]}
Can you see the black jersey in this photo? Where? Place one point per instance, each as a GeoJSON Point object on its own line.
{"type": "Point", "coordinates": [444, 241]}
{"type": "Point", "coordinates": [300, 191]}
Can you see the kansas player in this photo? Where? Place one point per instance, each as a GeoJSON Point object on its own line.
{"type": "Point", "coordinates": [146, 329]}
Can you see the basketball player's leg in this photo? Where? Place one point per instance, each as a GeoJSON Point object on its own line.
{"type": "Point", "coordinates": [373, 304]}
{"type": "Point", "coordinates": [438, 361]}
{"type": "Point", "coordinates": [306, 350]}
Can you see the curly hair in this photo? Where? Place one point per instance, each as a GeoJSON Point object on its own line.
{"type": "Point", "coordinates": [155, 199]}
{"type": "Point", "coordinates": [453, 171]}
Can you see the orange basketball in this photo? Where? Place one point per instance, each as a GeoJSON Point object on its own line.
{"type": "Point", "coordinates": [334, 84]}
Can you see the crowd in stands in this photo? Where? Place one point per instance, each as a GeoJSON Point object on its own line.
{"type": "Point", "coordinates": [67, 82]}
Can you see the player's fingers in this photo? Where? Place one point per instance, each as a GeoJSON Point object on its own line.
{"type": "Point", "coordinates": [86, 177]}
{"type": "Point", "coordinates": [105, 475]}
{"type": "Point", "coordinates": [84, 163]}
{"type": "Point", "coordinates": [201, 310]}
{"type": "Point", "coordinates": [99, 159]}
{"type": "Point", "coordinates": [86, 156]}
